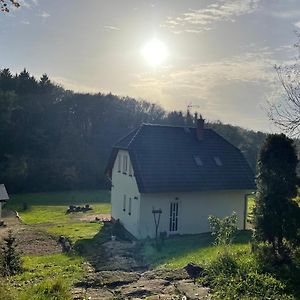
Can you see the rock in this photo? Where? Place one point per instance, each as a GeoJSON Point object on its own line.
{"type": "Point", "coordinates": [193, 270]}
{"type": "Point", "coordinates": [146, 288]}
{"type": "Point", "coordinates": [109, 279]}
{"type": "Point", "coordinates": [192, 291]}
{"type": "Point", "coordinates": [167, 274]}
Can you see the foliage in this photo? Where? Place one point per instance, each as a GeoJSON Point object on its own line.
{"type": "Point", "coordinates": [60, 140]}
{"type": "Point", "coordinates": [48, 290]}
{"type": "Point", "coordinates": [276, 215]}
{"type": "Point", "coordinates": [231, 279]}
{"type": "Point", "coordinates": [224, 229]}
{"type": "Point", "coordinates": [11, 263]}
{"type": "Point", "coordinates": [5, 4]}
{"type": "Point", "coordinates": [285, 114]}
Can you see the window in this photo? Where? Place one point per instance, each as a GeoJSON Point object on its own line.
{"type": "Point", "coordinates": [130, 172]}
{"type": "Point", "coordinates": [198, 160]}
{"type": "Point", "coordinates": [125, 161]}
{"type": "Point", "coordinates": [218, 161]}
{"type": "Point", "coordinates": [119, 162]}
{"type": "Point", "coordinates": [129, 207]}
{"type": "Point", "coordinates": [124, 203]}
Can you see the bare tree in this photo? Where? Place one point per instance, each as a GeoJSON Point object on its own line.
{"type": "Point", "coordinates": [286, 113]}
{"type": "Point", "coordinates": [6, 4]}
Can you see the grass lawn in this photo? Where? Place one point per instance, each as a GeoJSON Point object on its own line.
{"type": "Point", "coordinates": [39, 268]}
{"type": "Point", "coordinates": [47, 211]}
{"type": "Point", "coordinates": [178, 251]}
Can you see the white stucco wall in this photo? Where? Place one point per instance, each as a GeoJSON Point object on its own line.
{"type": "Point", "coordinates": [123, 184]}
{"type": "Point", "coordinates": [194, 209]}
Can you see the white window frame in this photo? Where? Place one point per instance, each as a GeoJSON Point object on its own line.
{"type": "Point", "coordinates": [124, 203]}
{"type": "Point", "coordinates": [119, 163]}
{"type": "Point", "coordinates": [125, 163]}
{"type": "Point", "coordinates": [130, 170]}
{"type": "Point", "coordinates": [129, 206]}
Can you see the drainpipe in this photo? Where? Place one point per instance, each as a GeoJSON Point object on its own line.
{"type": "Point", "coordinates": [246, 208]}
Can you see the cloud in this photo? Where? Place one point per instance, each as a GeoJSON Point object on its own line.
{"type": "Point", "coordinates": [25, 22]}
{"type": "Point", "coordinates": [297, 24]}
{"type": "Point", "coordinates": [196, 21]}
{"type": "Point", "coordinates": [44, 14]}
{"type": "Point", "coordinates": [109, 28]}
{"type": "Point", "coordinates": [232, 90]}
{"type": "Point", "coordinates": [70, 84]}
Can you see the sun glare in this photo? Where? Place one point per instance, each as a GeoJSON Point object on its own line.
{"type": "Point", "coordinates": [155, 52]}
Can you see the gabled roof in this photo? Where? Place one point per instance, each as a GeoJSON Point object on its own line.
{"type": "Point", "coordinates": [163, 160]}
{"type": "Point", "coordinates": [3, 193]}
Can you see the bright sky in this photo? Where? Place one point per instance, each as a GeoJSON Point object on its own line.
{"type": "Point", "coordinates": [216, 54]}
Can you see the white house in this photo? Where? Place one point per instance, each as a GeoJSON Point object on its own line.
{"type": "Point", "coordinates": [186, 174]}
{"type": "Point", "coordinates": [3, 197]}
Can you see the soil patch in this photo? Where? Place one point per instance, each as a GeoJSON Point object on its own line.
{"type": "Point", "coordinates": [29, 239]}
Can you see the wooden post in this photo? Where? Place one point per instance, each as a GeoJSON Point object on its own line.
{"type": "Point", "coordinates": [156, 215]}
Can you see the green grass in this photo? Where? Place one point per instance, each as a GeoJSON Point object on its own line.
{"type": "Point", "coordinates": [39, 268]}
{"type": "Point", "coordinates": [178, 251]}
{"type": "Point", "coordinates": [251, 203]}
{"type": "Point", "coordinates": [48, 211]}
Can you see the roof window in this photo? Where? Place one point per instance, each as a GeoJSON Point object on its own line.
{"type": "Point", "coordinates": [218, 161]}
{"type": "Point", "coordinates": [198, 160]}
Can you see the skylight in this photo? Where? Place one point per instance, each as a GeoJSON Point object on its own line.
{"type": "Point", "coordinates": [198, 160]}
{"type": "Point", "coordinates": [218, 161]}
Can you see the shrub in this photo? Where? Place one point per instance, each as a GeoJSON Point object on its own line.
{"type": "Point", "coordinates": [223, 229]}
{"type": "Point", "coordinates": [11, 263]}
{"type": "Point", "coordinates": [231, 278]}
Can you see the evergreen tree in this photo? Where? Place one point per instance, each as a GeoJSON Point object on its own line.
{"type": "Point", "coordinates": [276, 215]}
{"type": "Point", "coordinates": [11, 260]}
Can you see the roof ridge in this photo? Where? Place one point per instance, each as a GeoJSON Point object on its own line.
{"type": "Point", "coordinates": [137, 132]}
{"type": "Point", "coordinates": [124, 137]}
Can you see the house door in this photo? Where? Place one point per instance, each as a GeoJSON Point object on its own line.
{"type": "Point", "coordinates": [173, 225]}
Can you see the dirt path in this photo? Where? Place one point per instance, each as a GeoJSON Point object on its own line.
{"type": "Point", "coordinates": [30, 240]}
{"type": "Point", "coordinates": [123, 275]}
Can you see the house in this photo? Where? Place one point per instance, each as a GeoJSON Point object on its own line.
{"type": "Point", "coordinates": [3, 198]}
{"type": "Point", "coordinates": [179, 175]}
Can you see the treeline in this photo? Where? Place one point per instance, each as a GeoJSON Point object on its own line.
{"type": "Point", "coordinates": [55, 139]}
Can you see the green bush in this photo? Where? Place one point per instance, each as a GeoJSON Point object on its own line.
{"type": "Point", "coordinates": [231, 278]}
{"type": "Point", "coordinates": [10, 263]}
{"type": "Point", "coordinates": [48, 290]}
{"type": "Point", "coordinates": [224, 229]}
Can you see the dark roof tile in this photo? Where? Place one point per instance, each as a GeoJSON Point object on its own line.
{"type": "Point", "coordinates": [163, 160]}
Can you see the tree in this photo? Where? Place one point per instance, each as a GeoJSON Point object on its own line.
{"type": "Point", "coordinates": [276, 214]}
{"type": "Point", "coordinates": [11, 260]}
{"type": "Point", "coordinates": [286, 113]}
{"type": "Point", "coordinates": [6, 4]}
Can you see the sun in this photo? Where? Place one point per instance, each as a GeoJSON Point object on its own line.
{"type": "Point", "coordinates": [155, 52]}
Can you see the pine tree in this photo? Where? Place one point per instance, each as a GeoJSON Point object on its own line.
{"type": "Point", "coordinates": [276, 215]}
{"type": "Point", "coordinates": [11, 260]}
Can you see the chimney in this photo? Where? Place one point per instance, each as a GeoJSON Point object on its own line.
{"type": "Point", "coordinates": [200, 128]}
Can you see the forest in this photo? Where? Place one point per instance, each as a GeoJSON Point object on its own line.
{"type": "Point", "coordinates": [55, 139]}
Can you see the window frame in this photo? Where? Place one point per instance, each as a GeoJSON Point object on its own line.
{"type": "Point", "coordinates": [125, 164]}
{"type": "Point", "coordinates": [129, 206]}
{"type": "Point", "coordinates": [119, 163]}
{"type": "Point", "coordinates": [124, 202]}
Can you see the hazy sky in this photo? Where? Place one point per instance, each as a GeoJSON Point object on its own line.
{"type": "Point", "coordinates": [221, 53]}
